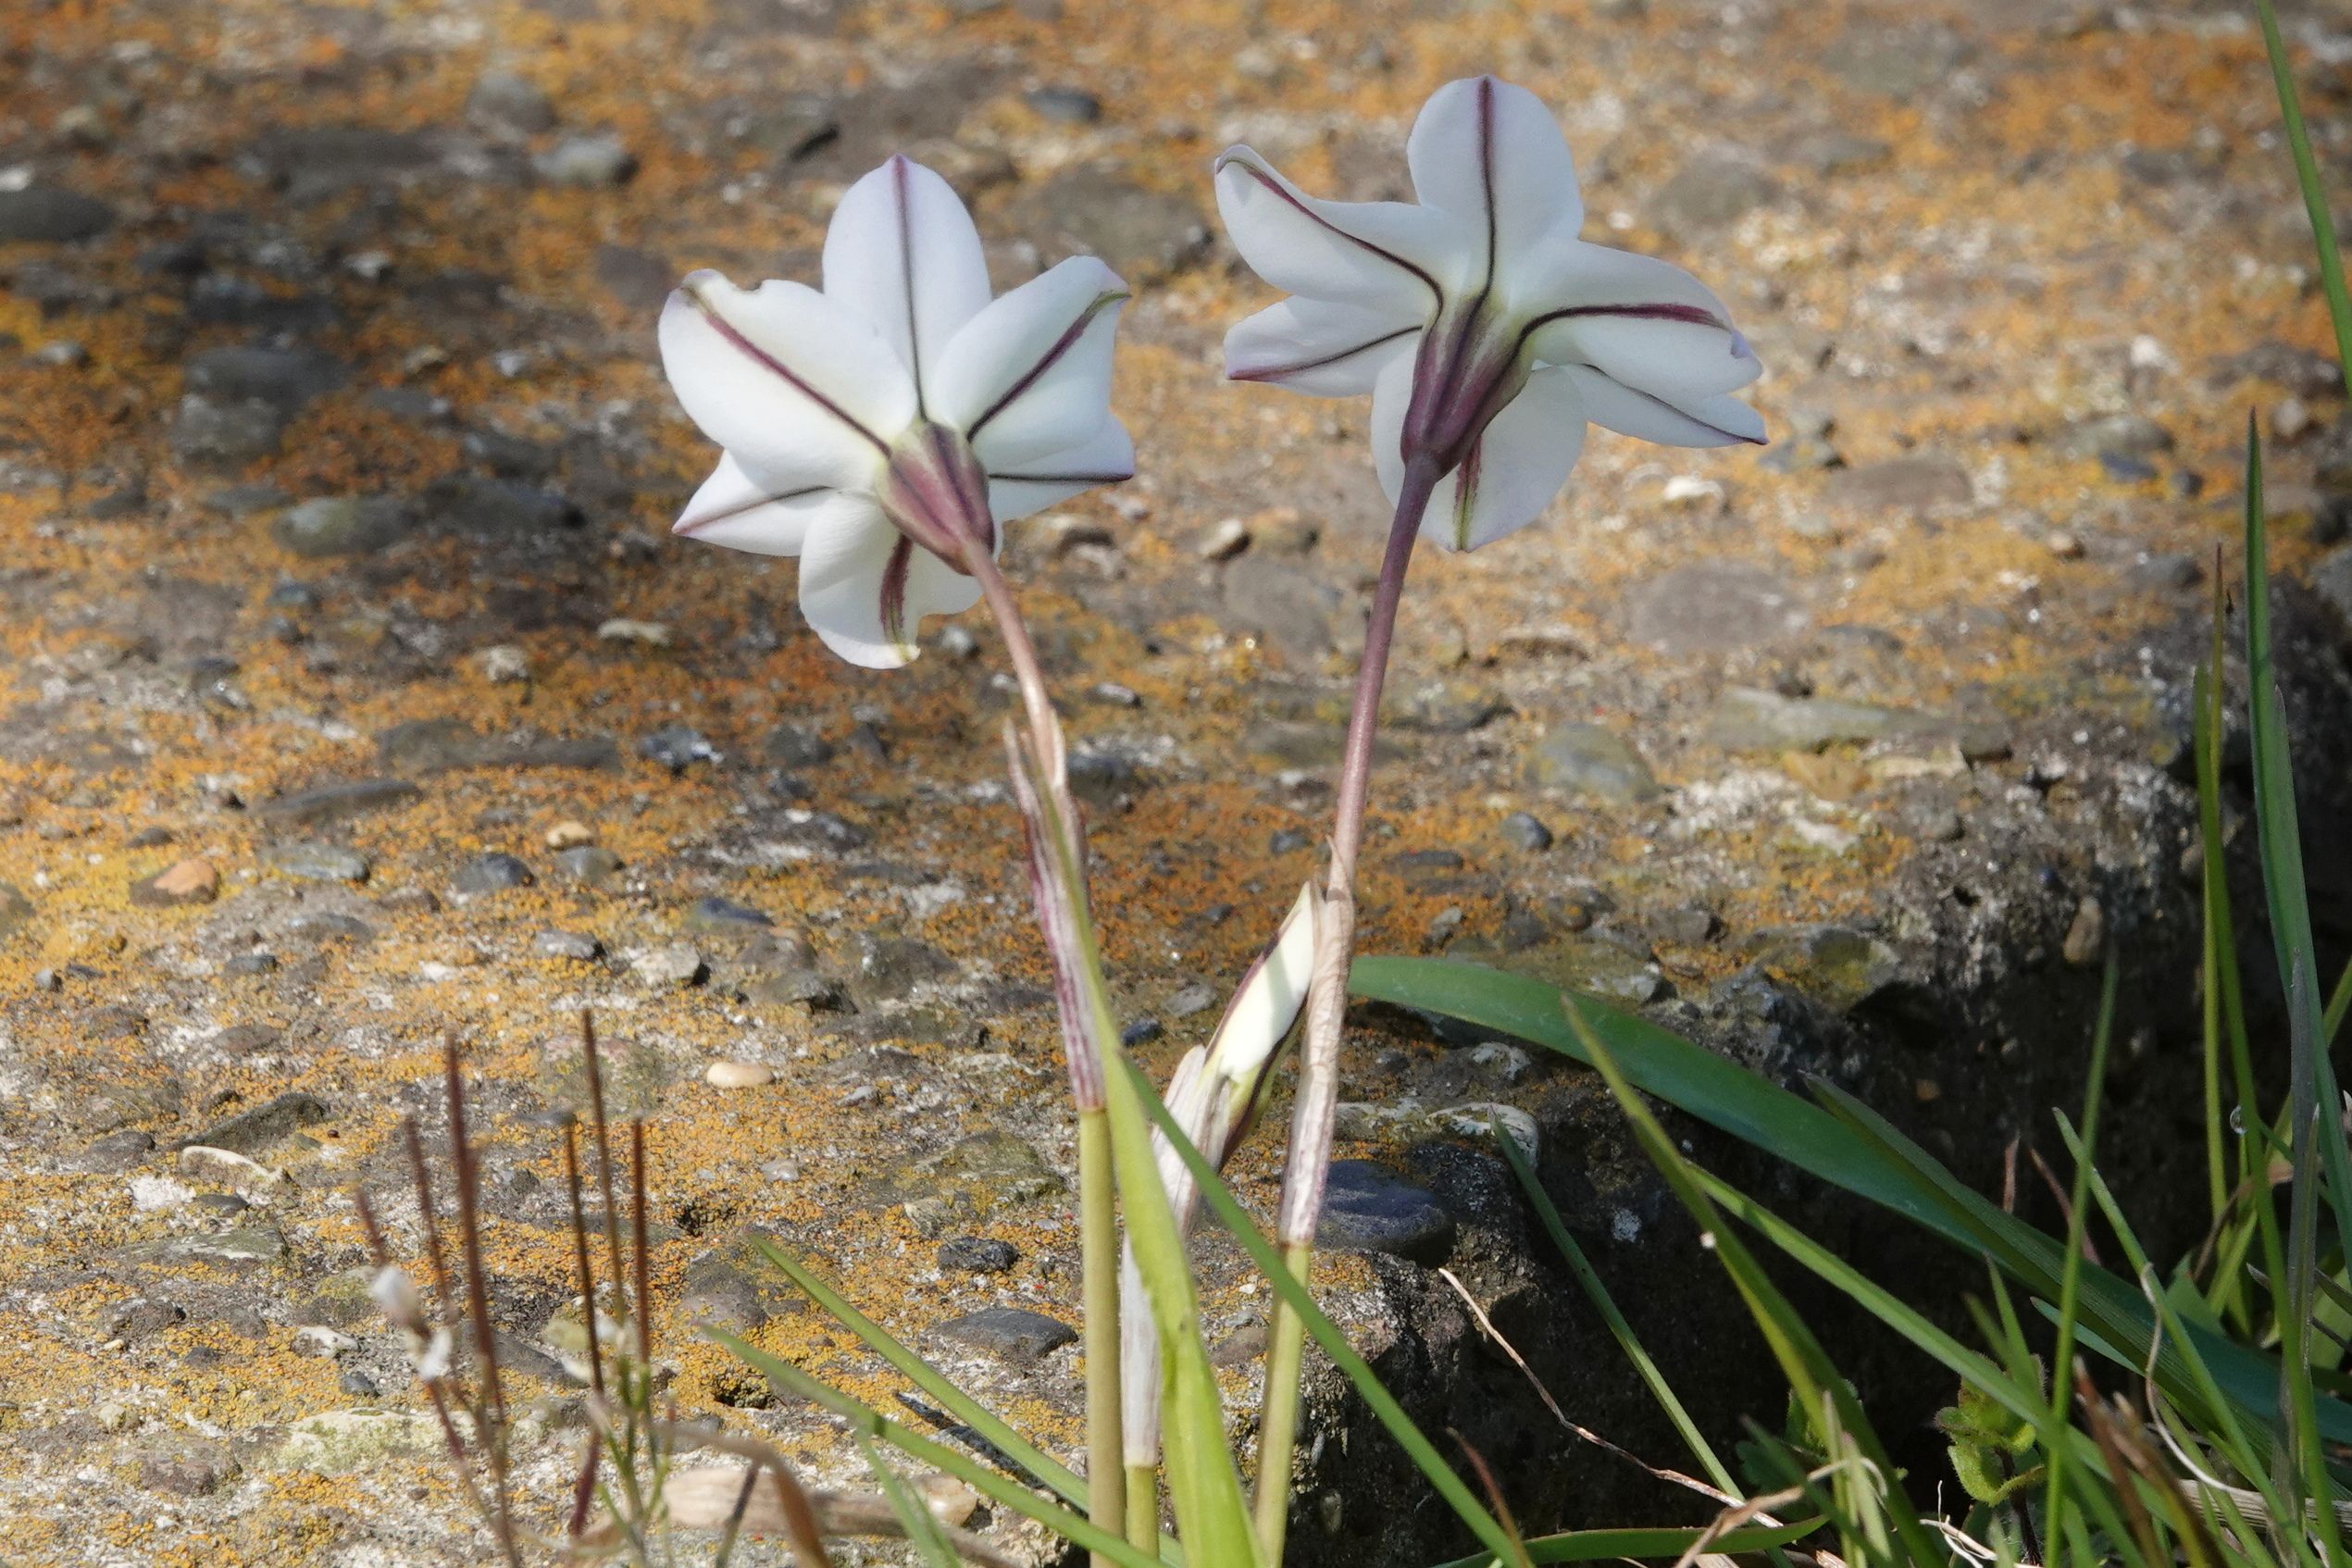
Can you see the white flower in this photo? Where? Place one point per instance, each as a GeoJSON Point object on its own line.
{"type": "Point", "coordinates": [873, 428]}
{"type": "Point", "coordinates": [1487, 333]}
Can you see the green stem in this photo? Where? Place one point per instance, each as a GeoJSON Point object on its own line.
{"type": "Point", "coordinates": [1099, 1255]}
{"type": "Point", "coordinates": [1279, 1437]}
{"type": "Point", "coordinates": [1143, 1506]}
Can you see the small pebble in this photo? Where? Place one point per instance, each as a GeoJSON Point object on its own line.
{"type": "Point", "coordinates": [738, 1075]}
{"type": "Point", "coordinates": [1223, 542]}
{"type": "Point", "coordinates": [569, 835]}
{"type": "Point", "coordinates": [652, 634]}
{"type": "Point", "coordinates": [503, 662]}
{"type": "Point", "coordinates": [574, 945]}
{"type": "Point", "coordinates": [672, 967]}
{"type": "Point", "coordinates": [1527, 830]}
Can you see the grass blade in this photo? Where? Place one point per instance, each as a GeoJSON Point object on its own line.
{"type": "Point", "coordinates": [1829, 1402]}
{"type": "Point", "coordinates": [1602, 1546]}
{"type": "Point", "coordinates": [1049, 1471]}
{"type": "Point", "coordinates": [921, 1525]}
{"type": "Point", "coordinates": [1884, 1166]}
{"type": "Point", "coordinates": [1072, 1527]}
{"type": "Point", "coordinates": [2315, 200]}
{"type": "Point", "coordinates": [1325, 1333]}
{"type": "Point", "coordinates": [1603, 1303]}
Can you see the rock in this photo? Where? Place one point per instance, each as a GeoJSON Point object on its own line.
{"type": "Point", "coordinates": [16, 910]}
{"type": "Point", "coordinates": [1144, 234]}
{"type": "Point", "coordinates": [1370, 1208]}
{"type": "Point", "coordinates": [187, 1469]}
{"type": "Point", "coordinates": [240, 1173]}
{"type": "Point", "coordinates": [498, 508]}
{"type": "Point", "coordinates": [574, 945]}
{"type": "Point", "coordinates": [669, 967]}
{"type": "Point", "coordinates": [677, 747]}
{"type": "Point", "coordinates": [345, 525]}
{"type": "Point", "coordinates": [1749, 720]}
{"type": "Point", "coordinates": [588, 863]}
{"type": "Point", "coordinates": [283, 378]}
{"type": "Point", "coordinates": [43, 214]}
{"type": "Point", "coordinates": [191, 881]}
{"type": "Point", "coordinates": [265, 1125]}
{"type": "Point", "coordinates": [313, 861]}
{"type": "Point", "coordinates": [1838, 966]}
{"type": "Point", "coordinates": [115, 1153]}
{"type": "Point", "coordinates": [503, 99]}
{"type": "Point", "coordinates": [620, 629]}
{"type": "Point", "coordinates": [1714, 607]}
{"type": "Point", "coordinates": [2086, 943]}
{"type": "Point", "coordinates": [637, 279]}
{"type": "Point", "coordinates": [1012, 1335]}
{"type": "Point", "coordinates": [250, 1246]}
{"type": "Point", "coordinates": [738, 1075]}
{"type": "Point", "coordinates": [1894, 61]}
{"type": "Point", "coordinates": [2165, 572]}
{"type": "Point", "coordinates": [333, 803]}
{"type": "Point", "coordinates": [587, 160]}
{"type": "Point", "coordinates": [345, 1442]}
{"type": "Point", "coordinates": [970, 1181]}
{"type": "Point", "coordinates": [977, 1254]}
{"type": "Point", "coordinates": [1071, 105]}
{"type": "Point", "coordinates": [1919, 482]}
{"type": "Point", "coordinates": [1711, 190]}
{"type": "Point", "coordinates": [1104, 779]}
{"type": "Point", "coordinates": [1527, 832]}
{"type": "Point", "coordinates": [221, 437]}
{"type": "Point", "coordinates": [503, 663]}
{"type": "Point", "coordinates": [734, 1287]}
{"type": "Point", "coordinates": [1585, 759]}
{"type": "Point", "coordinates": [568, 834]}
{"type": "Point", "coordinates": [726, 917]}
{"type": "Point", "coordinates": [888, 968]}
{"type": "Point", "coordinates": [2330, 580]}
{"type": "Point", "coordinates": [1192, 1000]}
{"type": "Point", "coordinates": [796, 745]}
{"type": "Point", "coordinates": [493, 872]}
{"type": "Point", "coordinates": [1223, 540]}
{"type": "Point", "coordinates": [2114, 435]}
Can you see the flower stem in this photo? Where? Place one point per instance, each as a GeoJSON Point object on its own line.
{"type": "Point", "coordinates": [1143, 1508]}
{"type": "Point", "coordinates": [1317, 1095]}
{"type": "Point", "coordinates": [1099, 1264]}
{"type": "Point", "coordinates": [1090, 1037]}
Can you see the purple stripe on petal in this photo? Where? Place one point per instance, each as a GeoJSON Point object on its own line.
{"type": "Point", "coordinates": [894, 575]}
{"type": "Point", "coordinates": [904, 199]}
{"type": "Point", "coordinates": [751, 350]}
{"type": "Point", "coordinates": [1320, 221]}
{"type": "Point", "coordinates": [692, 526]}
{"type": "Point", "coordinates": [1731, 438]}
{"type": "Point", "coordinates": [1062, 345]}
{"type": "Point", "coordinates": [1065, 478]}
{"type": "Point", "coordinates": [1276, 372]}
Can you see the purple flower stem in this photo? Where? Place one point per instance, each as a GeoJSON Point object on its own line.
{"type": "Point", "coordinates": [1309, 1161]}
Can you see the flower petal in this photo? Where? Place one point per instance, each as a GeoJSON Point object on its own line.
{"type": "Point", "coordinates": [1383, 256]}
{"type": "Point", "coordinates": [1316, 347]}
{"type": "Point", "coordinates": [1490, 156]}
{"type": "Point", "coordinates": [1030, 375]}
{"type": "Point", "coordinates": [865, 586]}
{"type": "Point", "coordinates": [735, 510]}
{"type": "Point", "coordinates": [1641, 321]}
{"type": "Point", "coordinates": [1722, 420]}
{"type": "Point", "coordinates": [799, 387]}
{"type": "Point", "coordinates": [1033, 486]}
{"type": "Point", "coordinates": [1512, 472]}
{"type": "Point", "coordinates": [902, 253]}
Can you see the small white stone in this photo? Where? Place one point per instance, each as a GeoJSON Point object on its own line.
{"type": "Point", "coordinates": [317, 1339]}
{"type": "Point", "coordinates": [670, 967]}
{"type": "Point", "coordinates": [225, 1168]}
{"type": "Point", "coordinates": [503, 662]}
{"type": "Point", "coordinates": [1225, 541]}
{"type": "Point", "coordinates": [620, 629]}
{"type": "Point", "coordinates": [738, 1075]}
